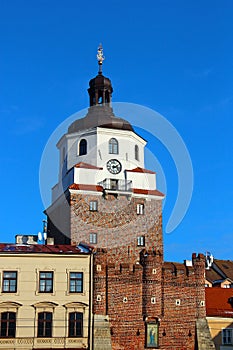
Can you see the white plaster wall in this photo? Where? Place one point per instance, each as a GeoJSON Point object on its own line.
{"type": "Point", "coordinates": [127, 141]}
{"type": "Point", "coordinates": [98, 155]}
{"type": "Point", "coordinates": [85, 176]}
{"type": "Point", "coordinates": [73, 145]}
{"type": "Point", "coordinates": [143, 181]}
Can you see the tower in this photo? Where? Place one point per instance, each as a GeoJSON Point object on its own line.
{"type": "Point", "coordinates": [105, 196]}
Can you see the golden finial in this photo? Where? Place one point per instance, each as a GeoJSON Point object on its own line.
{"type": "Point", "coordinates": [100, 57]}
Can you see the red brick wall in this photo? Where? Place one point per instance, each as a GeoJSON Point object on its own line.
{"type": "Point", "coordinates": [139, 283]}
{"type": "Point", "coordinates": [127, 277]}
{"type": "Point", "coordinates": [117, 224]}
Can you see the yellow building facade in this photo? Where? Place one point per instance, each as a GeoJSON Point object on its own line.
{"type": "Point", "coordinates": [45, 297]}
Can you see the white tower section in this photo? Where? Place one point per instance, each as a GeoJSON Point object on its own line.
{"type": "Point", "coordinates": [103, 150]}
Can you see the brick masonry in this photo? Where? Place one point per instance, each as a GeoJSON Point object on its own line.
{"type": "Point", "coordinates": [132, 295]}
{"type": "Point", "coordinates": [132, 284]}
{"type": "Point", "coordinates": [117, 224]}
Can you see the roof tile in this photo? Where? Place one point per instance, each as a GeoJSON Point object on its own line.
{"type": "Point", "coordinates": [141, 170]}
{"type": "Point", "coordinates": [217, 303]}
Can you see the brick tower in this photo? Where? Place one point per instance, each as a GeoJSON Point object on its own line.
{"type": "Point", "coordinates": [106, 198]}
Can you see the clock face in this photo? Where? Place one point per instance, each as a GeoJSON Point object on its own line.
{"type": "Point", "coordinates": [114, 166]}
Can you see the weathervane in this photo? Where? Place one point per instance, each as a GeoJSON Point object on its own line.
{"type": "Point", "coordinates": [100, 57]}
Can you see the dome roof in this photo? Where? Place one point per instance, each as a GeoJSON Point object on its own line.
{"type": "Point", "coordinates": [100, 82]}
{"type": "Point", "coordinates": [101, 116]}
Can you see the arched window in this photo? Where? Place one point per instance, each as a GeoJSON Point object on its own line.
{"type": "Point", "coordinates": [136, 150]}
{"type": "Point", "coordinates": [45, 324]}
{"type": "Point", "coordinates": [82, 147]}
{"type": "Point", "coordinates": [113, 146]}
{"type": "Point", "coordinates": [8, 324]}
{"type": "Point", "coordinates": [75, 324]}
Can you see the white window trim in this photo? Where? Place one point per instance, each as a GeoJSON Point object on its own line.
{"type": "Point", "coordinates": [140, 209]}
{"type": "Point", "coordinates": [91, 236]}
{"type": "Point", "coordinates": [68, 281]}
{"type": "Point", "coordinates": [141, 241]}
{"type": "Point", "coordinates": [93, 205]}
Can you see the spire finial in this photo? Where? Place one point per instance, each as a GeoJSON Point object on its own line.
{"type": "Point", "coordinates": [100, 57]}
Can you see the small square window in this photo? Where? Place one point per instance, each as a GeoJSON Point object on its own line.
{"type": "Point", "coordinates": [76, 282]}
{"type": "Point", "coordinates": [141, 241]}
{"type": "Point", "coordinates": [93, 238]}
{"type": "Point", "coordinates": [140, 209]}
{"type": "Point", "coordinates": [9, 282]}
{"type": "Point", "coordinates": [93, 206]}
{"type": "Point", "coordinates": [153, 300]}
{"type": "Point", "coordinates": [46, 282]}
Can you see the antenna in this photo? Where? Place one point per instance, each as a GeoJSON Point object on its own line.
{"type": "Point", "coordinates": [42, 237]}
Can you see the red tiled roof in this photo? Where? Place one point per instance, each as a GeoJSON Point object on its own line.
{"type": "Point", "coordinates": [141, 170]}
{"type": "Point", "coordinates": [151, 192]}
{"type": "Point", "coordinates": [86, 187]}
{"type": "Point", "coordinates": [40, 248]}
{"type": "Point", "coordinates": [87, 166]}
{"type": "Point", "coordinates": [217, 302]}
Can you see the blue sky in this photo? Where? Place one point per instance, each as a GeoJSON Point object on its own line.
{"type": "Point", "coordinates": [175, 57]}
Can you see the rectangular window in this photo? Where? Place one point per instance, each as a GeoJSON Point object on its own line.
{"type": "Point", "coordinates": [75, 324]}
{"type": "Point", "coordinates": [152, 332]}
{"type": "Point", "coordinates": [227, 336]}
{"type": "Point", "coordinates": [93, 238]}
{"type": "Point", "coordinates": [76, 282]}
{"type": "Point", "coordinates": [8, 325]}
{"type": "Point", "coordinates": [46, 282]}
{"type": "Point", "coordinates": [141, 241]}
{"type": "Point", "coordinates": [93, 206]}
{"type": "Point", "coordinates": [140, 209]}
{"type": "Point", "coordinates": [45, 324]}
{"type": "Point", "coordinates": [9, 282]}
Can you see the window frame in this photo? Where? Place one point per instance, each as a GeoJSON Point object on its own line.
{"type": "Point", "coordinates": [113, 146]}
{"type": "Point", "coordinates": [141, 241]}
{"type": "Point", "coordinates": [73, 324]}
{"type": "Point", "coordinates": [82, 147]}
{"type": "Point", "coordinates": [93, 238]}
{"type": "Point", "coordinates": [152, 327]}
{"type": "Point", "coordinates": [93, 205]}
{"type": "Point", "coordinates": [76, 280]}
{"type": "Point", "coordinates": [44, 322]}
{"type": "Point", "coordinates": [227, 339]}
{"type": "Point", "coordinates": [46, 279]}
{"type": "Point", "coordinates": [9, 279]}
{"type": "Point", "coordinates": [8, 321]}
{"type": "Point", "coordinates": [140, 209]}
